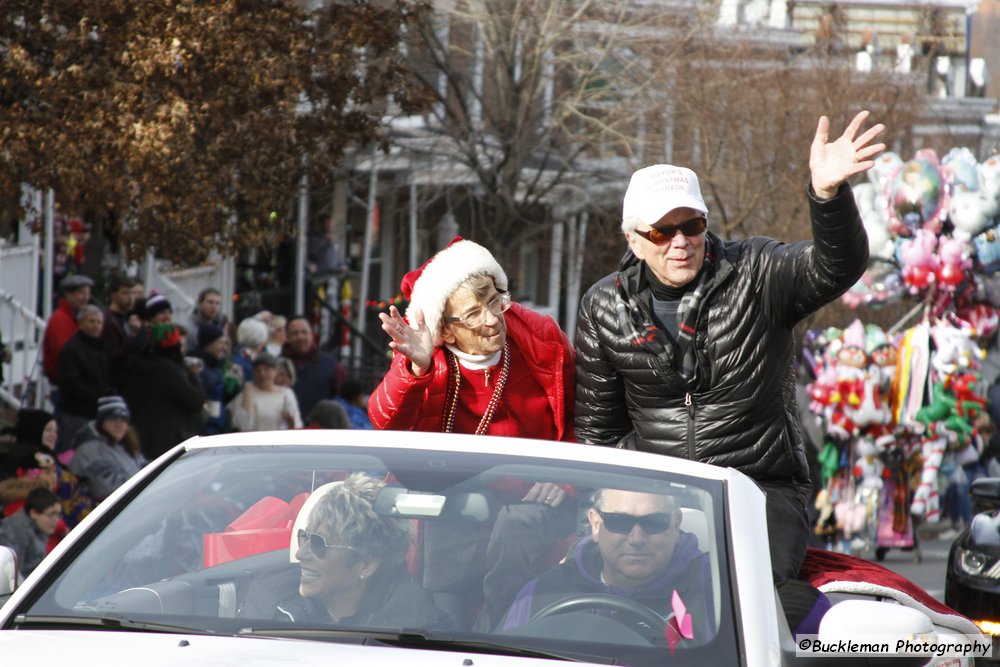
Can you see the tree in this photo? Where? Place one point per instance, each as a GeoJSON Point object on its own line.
{"type": "Point", "coordinates": [537, 102]}
{"type": "Point", "coordinates": [742, 114]}
{"type": "Point", "coordinates": [550, 104]}
{"type": "Point", "coordinates": [188, 123]}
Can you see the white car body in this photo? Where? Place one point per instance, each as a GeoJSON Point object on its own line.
{"type": "Point", "coordinates": [763, 635]}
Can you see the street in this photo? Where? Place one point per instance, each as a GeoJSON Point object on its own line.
{"type": "Point", "coordinates": [930, 571]}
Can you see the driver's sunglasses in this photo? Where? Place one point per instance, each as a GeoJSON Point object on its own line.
{"type": "Point", "coordinates": [664, 235]}
{"type": "Point", "coordinates": [622, 524]}
{"type": "Point", "coordinates": [317, 543]}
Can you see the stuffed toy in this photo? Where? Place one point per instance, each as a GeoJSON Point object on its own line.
{"type": "Point", "coordinates": [926, 501]}
{"type": "Point", "coordinates": [956, 349]}
{"type": "Point", "coordinates": [869, 468]}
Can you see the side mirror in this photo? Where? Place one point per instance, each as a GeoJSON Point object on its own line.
{"type": "Point", "coordinates": [856, 620]}
{"type": "Point", "coordinates": [8, 571]}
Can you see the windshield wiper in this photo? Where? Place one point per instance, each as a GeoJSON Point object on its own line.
{"type": "Point", "coordinates": [409, 639]}
{"type": "Point", "coordinates": [110, 621]}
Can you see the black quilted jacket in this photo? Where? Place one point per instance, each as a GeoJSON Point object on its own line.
{"type": "Point", "coordinates": [740, 410]}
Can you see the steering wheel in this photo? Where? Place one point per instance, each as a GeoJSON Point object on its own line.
{"type": "Point", "coordinates": [631, 608]}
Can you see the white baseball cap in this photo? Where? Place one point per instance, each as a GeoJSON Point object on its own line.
{"type": "Point", "coordinates": [657, 190]}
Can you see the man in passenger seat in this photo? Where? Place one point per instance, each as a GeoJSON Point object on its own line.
{"type": "Point", "coordinates": [637, 550]}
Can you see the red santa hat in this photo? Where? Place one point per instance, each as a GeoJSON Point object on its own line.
{"type": "Point", "coordinates": [428, 287]}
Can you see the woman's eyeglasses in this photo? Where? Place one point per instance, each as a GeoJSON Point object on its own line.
{"type": "Point", "coordinates": [664, 235]}
{"type": "Point", "coordinates": [622, 524]}
{"type": "Point", "coordinates": [317, 543]}
{"type": "Point", "coordinates": [477, 318]}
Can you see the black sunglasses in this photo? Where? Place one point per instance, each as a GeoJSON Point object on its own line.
{"type": "Point", "coordinates": [664, 235]}
{"type": "Point", "coordinates": [623, 523]}
{"type": "Point", "coordinates": [317, 543]}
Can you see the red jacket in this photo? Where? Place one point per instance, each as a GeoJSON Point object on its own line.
{"type": "Point", "coordinates": [406, 402]}
{"type": "Point", "coordinates": [59, 329]}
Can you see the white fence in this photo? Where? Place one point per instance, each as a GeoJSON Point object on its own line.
{"type": "Point", "coordinates": [20, 327]}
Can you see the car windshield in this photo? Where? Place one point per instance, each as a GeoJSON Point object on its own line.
{"type": "Point", "coordinates": [567, 558]}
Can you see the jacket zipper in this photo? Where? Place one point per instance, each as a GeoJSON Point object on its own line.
{"type": "Point", "coordinates": [690, 424]}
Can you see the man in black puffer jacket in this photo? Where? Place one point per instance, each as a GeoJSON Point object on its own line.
{"type": "Point", "coordinates": [686, 350]}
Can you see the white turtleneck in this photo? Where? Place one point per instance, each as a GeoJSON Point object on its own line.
{"type": "Point", "coordinates": [475, 362]}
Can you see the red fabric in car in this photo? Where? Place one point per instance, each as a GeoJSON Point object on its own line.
{"type": "Point", "coordinates": [833, 572]}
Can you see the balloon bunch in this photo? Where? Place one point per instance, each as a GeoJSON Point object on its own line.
{"type": "Point", "coordinates": [932, 228]}
{"type": "Point", "coordinates": [941, 397]}
{"type": "Point", "coordinates": [918, 393]}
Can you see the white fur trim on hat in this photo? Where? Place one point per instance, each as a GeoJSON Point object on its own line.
{"type": "Point", "coordinates": [657, 190]}
{"type": "Point", "coordinates": [444, 273]}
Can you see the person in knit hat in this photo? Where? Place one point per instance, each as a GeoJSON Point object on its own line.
{"type": "Point", "coordinates": [163, 394]}
{"type": "Point", "coordinates": [104, 459]}
{"type": "Point", "coordinates": [467, 359]}
{"type": "Point", "coordinates": [158, 310]}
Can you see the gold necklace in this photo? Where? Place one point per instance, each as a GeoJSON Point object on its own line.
{"type": "Point", "coordinates": [451, 402]}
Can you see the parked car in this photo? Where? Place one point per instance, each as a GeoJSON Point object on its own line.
{"type": "Point", "coordinates": [972, 582]}
{"type": "Point", "coordinates": [232, 549]}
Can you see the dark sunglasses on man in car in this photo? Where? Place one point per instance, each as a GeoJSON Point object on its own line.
{"type": "Point", "coordinates": [664, 235]}
{"type": "Point", "coordinates": [317, 543]}
{"type": "Point", "coordinates": [622, 524]}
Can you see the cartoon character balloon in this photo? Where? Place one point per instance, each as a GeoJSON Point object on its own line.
{"type": "Point", "coordinates": [875, 220]}
{"type": "Point", "coordinates": [919, 261]}
{"type": "Point", "coordinates": [989, 177]}
{"type": "Point", "coordinates": [962, 168]}
{"type": "Point", "coordinates": [970, 213]}
{"type": "Point", "coordinates": [952, 263]}
{"type": "Point", "coordinates": [918, 196]}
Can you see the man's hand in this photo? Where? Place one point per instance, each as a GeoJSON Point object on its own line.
{"type": "Point", "coordinates": [417, 344]}
{"type": "Point", "coordinates": [831, 164]}
{"type": "Point", "coordinates": [547, 493]}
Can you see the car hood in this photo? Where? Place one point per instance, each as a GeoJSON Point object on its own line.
{"type": "Point", "coordinates": [127, 649]}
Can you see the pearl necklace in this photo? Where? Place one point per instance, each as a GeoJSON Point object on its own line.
{"type": "Point", "coordinates": [451, 402]}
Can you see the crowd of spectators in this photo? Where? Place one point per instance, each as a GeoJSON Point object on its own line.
{"type": "Point", "coordinates": [128, 382]}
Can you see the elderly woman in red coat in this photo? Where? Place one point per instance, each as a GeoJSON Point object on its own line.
{"type": "Point", "coordinates": [498, 367]}
{"type": "Point", "coordinates": [468, 360]}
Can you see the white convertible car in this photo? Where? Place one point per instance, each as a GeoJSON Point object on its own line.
{"type": "Point", "coordinates": [391, 548]}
